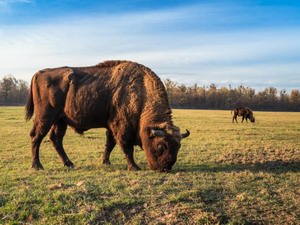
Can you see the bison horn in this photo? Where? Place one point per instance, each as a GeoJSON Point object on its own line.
{"type": "Point", "coordinates": [186, 134]}
{"type": "Point", "coordinates": [158, 133]}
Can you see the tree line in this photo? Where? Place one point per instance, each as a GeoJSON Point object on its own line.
{"type": "Point", "coordinates": [211, 97]}
{"type": "Point", "coordinates": [15, 92]}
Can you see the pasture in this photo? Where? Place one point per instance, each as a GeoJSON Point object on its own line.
{"type": "Point", "coordinates": [225, 174]}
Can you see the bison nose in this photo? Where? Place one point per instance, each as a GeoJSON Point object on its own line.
{"type": "Point", "coordinates": [165, 170]}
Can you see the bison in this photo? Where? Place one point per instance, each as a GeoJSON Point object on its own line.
{"type": "Point", "coordinates": [245, 112]}
{"type": "Point", "coordinates": [126, 98]}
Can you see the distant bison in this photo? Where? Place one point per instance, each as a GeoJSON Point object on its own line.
{"type": "Point", "coordinates": [245, 112]}
{"type": "Point", "coordinates": [126, 98]}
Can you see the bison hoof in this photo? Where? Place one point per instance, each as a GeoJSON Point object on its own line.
{"type": "Point", "coordinates": [134, 168]}
{"type": "Point", "coordinates": [106, 163]}
{"type": "Point", "coordinates": [69, 164]}
{"type": "Point", "coordinates": [37, 166]}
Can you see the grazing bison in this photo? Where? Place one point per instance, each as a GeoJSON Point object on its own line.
{"type": "Point", "coordinates": [126, 98]}
{"type": "Point", "coordinates": [245, 112]}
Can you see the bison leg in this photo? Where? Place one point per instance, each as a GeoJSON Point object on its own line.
{"type": "Point", "coordinates": [58, 131]}
{"type": "Point", "coordinates": [123, 138]}
{"type": "Point", "coordinates": [110, 144]}
{"type": "Point", "coordinates": [128, 151]}
{"type": "Point", "coordinates": [243, 119]}
{"type": "Point", "coordinates": [37, 134]}
{"type": "Point", "coordinates": [234, 118]}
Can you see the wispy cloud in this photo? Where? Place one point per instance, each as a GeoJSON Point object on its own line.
{"type": "Point", "coordinates": [14, 1]}
{"type": "Point", "coordinates": [6, 6]}
{"type": "Point", "coordinates": [175, 43]}
{"type": "Point", "coordinates": [5, 3]}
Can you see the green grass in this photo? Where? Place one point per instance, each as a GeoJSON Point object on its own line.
{"type": "Point", "coordinates": [226, 173]}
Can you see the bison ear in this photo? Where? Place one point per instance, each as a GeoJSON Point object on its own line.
{"type": "Point", "coordinates": [157, 133]}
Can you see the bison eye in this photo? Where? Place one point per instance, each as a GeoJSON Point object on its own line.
{"type": "Point", "coordinates": [160, 149]}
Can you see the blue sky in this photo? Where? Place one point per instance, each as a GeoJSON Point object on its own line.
{"type": "Point", "coordinates": [253, 43]}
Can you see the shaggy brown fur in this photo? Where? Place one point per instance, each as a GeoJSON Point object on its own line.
{"type": "Point", "coordinates": [126, 98]}
{"type": "Point", "coordinates": [245, 112]}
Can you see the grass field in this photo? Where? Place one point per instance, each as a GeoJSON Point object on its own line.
{"type": "Point", "coordinates": [226, 173]}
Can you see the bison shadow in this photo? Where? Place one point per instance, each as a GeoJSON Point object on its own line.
{"type": "Point", "coordinates": [277, 166]}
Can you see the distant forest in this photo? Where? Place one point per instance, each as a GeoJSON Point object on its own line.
{"type": "Point", "coordinates": [14, 92]}
{"type": "Point", "coordinates": [212, 97]}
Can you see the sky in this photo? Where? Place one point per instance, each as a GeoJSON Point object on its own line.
{"type": "Point", "coordinates": [255, 43]}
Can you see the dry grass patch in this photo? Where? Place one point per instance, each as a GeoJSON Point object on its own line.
{"type": "Point", "coordinates": [225, 174]}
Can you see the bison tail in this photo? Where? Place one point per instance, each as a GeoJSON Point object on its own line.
{"type": "Point", "coordinates": [29, 107]}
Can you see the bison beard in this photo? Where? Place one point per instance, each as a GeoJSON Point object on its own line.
{"type": "Point", "coordinates": [126, 98]}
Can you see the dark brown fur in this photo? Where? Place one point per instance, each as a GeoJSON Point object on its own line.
{"type": "Point", "coordinates": [245, 112]}
{"type": "Point", "coordinates": [126, 98]}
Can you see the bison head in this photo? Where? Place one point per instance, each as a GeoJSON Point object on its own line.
{"type": "Point", "coordinates": [161, 146]}
{"type": "Point", "coordinates": [252, 118]}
